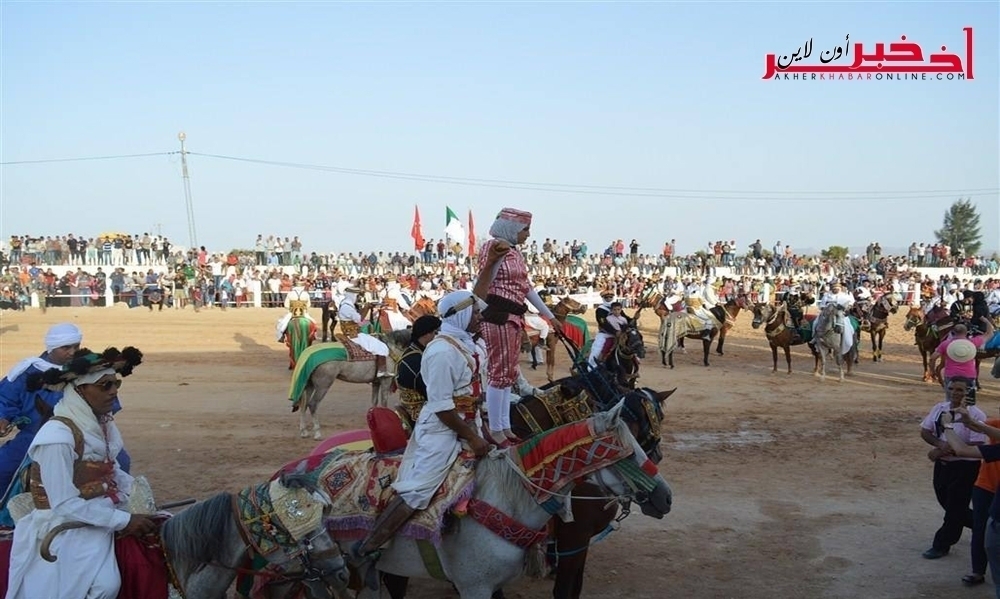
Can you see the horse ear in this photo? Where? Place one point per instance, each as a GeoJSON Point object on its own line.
{"type": "Point", "coordinates": [663, 395]}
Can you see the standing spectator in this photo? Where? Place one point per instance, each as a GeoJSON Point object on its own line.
{"type": "Point", "coordinates": [260, 250]}
{"type": "Point", "coordinates": [954, 476]}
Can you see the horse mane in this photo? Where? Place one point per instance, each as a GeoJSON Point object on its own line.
{"type": "Point", "coordinates": [198, 533]}
{"type": "Point", "coordinates": [496, 477]}
{"type": "Point", "coordinates": [397, 338]}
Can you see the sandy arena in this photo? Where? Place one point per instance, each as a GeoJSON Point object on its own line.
{"type": "Point", "coordinates": [783, 486]}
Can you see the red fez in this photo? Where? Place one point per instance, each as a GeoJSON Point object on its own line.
{"type": "Point", "coordinates": [518, 216]}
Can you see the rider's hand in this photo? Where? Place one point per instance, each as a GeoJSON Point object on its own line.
{"type": "Point", "coordinates": [498, 250]}
{"type": "Point", "coordinates": [479, 446]}
{"type": "Point", "coordinates": [5, 427]}
{"type": "Point", "coordinates": [556, 325]}
{"type": "Point", "coordinates": [139, 525]}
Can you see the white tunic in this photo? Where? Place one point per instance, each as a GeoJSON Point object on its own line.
{"type": "Point", "coordinates": [433, 447]}
{"type": "Point", "coordinates": [86, 568]}
{"type": "Point", "coordinates": [348, 311]}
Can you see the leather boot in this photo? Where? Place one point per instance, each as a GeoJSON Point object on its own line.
{"type": "Point", "coordinates": [365, 553]}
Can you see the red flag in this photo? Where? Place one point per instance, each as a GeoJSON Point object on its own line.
{"type": "Point", "coordinates": [418, 239]}
{"type": "Point", "coordinates": [472, 236]}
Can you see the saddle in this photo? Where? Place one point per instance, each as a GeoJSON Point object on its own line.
{"type": "Point", "coordinates": [355, 353]}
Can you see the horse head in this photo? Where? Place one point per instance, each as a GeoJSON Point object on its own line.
{"type": "Point", "coordinates": [636, 476]}
{"type": "Point", "coordinates": [914, 317]}
{"type": "Point", "coordinates": [321, 564]}
{"type": "Point", "coordinates": [891, 302]}
{"type": "Point", "coordinates": [630, 342]}
{"type": "Point", "coordinates": [643, 412]}
{"type": "Point", "coordinates": [761, 314]}
{"type": "Point", "coordinates": [568, 305]}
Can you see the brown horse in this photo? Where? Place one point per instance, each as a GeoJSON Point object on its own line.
{"type": "Point", "coordinates": [675, 327]}
{"type": "Point", "coordinates": [928, 336]}
{"type": "Point", "coordinates": [878, 322]}
{"type": "Point", "coordinates": [593, 514]}
{"type": "Point", "coordinates": [778, 330]}
{"type": "Point", "coordinates": [561, 310]}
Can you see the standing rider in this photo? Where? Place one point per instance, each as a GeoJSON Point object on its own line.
{"type": "Point", "coordinates": [350, 325]}
{"type": "Point", "coordinates": [448, 422]}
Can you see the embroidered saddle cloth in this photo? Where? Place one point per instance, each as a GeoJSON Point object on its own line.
{"type": "Point", "coordinates": [359, 484]}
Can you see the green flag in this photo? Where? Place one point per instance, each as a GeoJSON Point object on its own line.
{"type": "Point", "coordinates": [452, 226]}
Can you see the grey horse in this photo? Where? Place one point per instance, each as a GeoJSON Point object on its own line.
{"type": "Point", "coordinates": [323, 377]}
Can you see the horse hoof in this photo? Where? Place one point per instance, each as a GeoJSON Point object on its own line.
{"type": "Point", "coordinates": [317, 436]}
{"type": "Point", "coordinates": [719, 352]}
{"type": "Point", "coordinates": [789, 372]}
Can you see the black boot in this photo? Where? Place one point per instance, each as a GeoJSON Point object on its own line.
{"type": "Point", "coordinates": [365, 553]}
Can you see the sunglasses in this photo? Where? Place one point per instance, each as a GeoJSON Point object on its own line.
{"type": "Point", "coordinates": [109, 385]}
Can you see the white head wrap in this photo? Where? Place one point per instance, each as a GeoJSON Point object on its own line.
{"type": "Point", "coordinates": [62, 334]}
{"type": "Point", "coordinates": [455, 309]}
{"type": "Point", "coordinates": [92, 377]}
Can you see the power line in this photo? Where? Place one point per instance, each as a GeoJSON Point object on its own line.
{"type": "Point", "coordinates": [84, 158]}
{"type": "Point", "coordinates": [650, 192]}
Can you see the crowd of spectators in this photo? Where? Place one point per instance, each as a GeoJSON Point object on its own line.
{"type": "Point", "coordinates": [275, 265]}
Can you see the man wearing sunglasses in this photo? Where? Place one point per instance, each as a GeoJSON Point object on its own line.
{"type": "Point", "coordinates": [19, 405]}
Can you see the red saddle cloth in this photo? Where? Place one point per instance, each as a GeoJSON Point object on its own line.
{"type": "Point", "coordinates": [143, 568]}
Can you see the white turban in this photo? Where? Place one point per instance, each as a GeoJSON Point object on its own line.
{"type": "Point", "coordinates": [455, 309]}
{"type": "Point", "coordinates": [61, 335]}
{"type": "Point", "coordinates": [92, 377]}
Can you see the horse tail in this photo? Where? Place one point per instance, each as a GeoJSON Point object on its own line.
{"type": "Point", "coordinates": [198, 534]}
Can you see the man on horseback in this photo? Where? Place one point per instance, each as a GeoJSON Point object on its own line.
{"type": "Point", "coordinates": [863, 303]}
{"type": "Point", "coordinates": [792, 298]}
{"type": "Point", "coordinates": [448, 423]}
{"type": "Point", "coordinates": [699, 301]}
{"type": "Point", "coordinates": [350, 325]}
{"type": "Point", "coordinates": [75, 478]}
{"type": "Point", "coordinates": [412, 389]}
{"type": "Point", "coordinates": [297, 329]}
{"type": "Point", "coordinates": [396, 304]}
{"type": "Point", "coordinates": [605, 331]}
{"type": "Point", "coordinates": [844, 301]}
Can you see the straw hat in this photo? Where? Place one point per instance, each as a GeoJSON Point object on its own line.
{"type": "Point", "coordinates": [961, 351]}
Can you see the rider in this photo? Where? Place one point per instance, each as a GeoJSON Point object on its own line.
{"type": "Point", "coordinates": [447, 424]}
{"type": "Point", "coordinates": [863, 302]}
{"type": "Point", "coordinates": [75, 477]}
{"type": "Point", "coordinates": [697, 297]}
{"type": "Point", "coordinates": [993, 299]}
{"type": "Point", "coordinates": [844, 301]}
{"type": "Point", "coordinates": [793, 305]}
{"type": "Point", "coordinates": [396, 303]}
{"type": "Point", "coordinates": [350, 325]}
{"type": "Point", "coordinates": [297, 328]}
{"type": "Point", "coordinates": [605, 332]}
{"type": "Point", "coordinates": [412, 389]}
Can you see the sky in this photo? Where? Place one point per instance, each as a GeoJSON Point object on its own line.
{"type": "Point", "coordinates": [663, 102]}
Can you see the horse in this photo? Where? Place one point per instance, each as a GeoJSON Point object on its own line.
{"type": "Point", "coordinates": [826, 339]}
{"type": "Point", "coordinates": [623, 360]}
{"type": "Point", "coordinates": [878, 322]}
{"type": "Point", "coordinates": [207, 545]}
{"type": "Point", "coordinates": [570, 541]}
{"type": "Point", "coordinates": [725, 314]}
{"type": "Point", "coordinates": [510, 508]}
{"type": "Point", "coordinates": [927, 335]}
{"type": "Point", "coordinates": [675, 326]}
{"type": "Point", "coordinates": [314, 376]}
{"type": "Point", "coordinates": [778, 331]}
{"type": "Point", "coordinates": [561, 311]}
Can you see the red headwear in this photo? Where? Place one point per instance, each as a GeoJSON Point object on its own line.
{"type": "Point", "coordinates": [518, 216]}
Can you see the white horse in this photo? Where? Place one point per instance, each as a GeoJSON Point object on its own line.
{"type": "Point", "coordinates": [362, 371]}
{"type": "Point", "coordinates": [826, 338]}
{"type": "Point", "coordinates": [477, 560]}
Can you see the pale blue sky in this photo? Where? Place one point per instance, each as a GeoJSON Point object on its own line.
{"type": "Point", "coordinates": [653, 95]}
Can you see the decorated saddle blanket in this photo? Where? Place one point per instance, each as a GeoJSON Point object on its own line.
{"type": "Point", "coordinates": [359, 484]}
{"type": "Point", "coordinates": [575, 329]}
{"type": "Point", "coordinates": [308, 360]}
{"type": "Point", "coordinates": [355, 353]}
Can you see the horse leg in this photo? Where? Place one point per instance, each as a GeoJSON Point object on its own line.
{"type": "Point", "coordinates": [325, 319]}
{"type": "Point", "coordinates": [317, 396]}
{"type": "Point", "coordinates": [663, 357]}
{"type": "Point", "coordinates": [722, 341]}
{"type": "Point", "coordinates": [923, 356]}
{"type": "Point", "coordinates": [873, 335]}
{"type": "Point", "coordinates": [774, 358]}
{"type": "Point", "coordinates": [670, 359]}
{"type": "Point", "coordinates": [706, 347]}
{"type": "Point", "coordinates": [395, 585]}
{"type": "Point", "coordinates": [788, 357]}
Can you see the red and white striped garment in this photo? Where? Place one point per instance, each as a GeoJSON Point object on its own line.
{"type": "Point", "coordinates": [503, 342]}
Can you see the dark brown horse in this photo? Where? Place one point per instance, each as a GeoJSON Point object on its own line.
{"type": "Point", "coordinates": [878, 322]}
{"type": "Point", "coordinates": [928, 336]}
{"type": "Point", "coordinates": [778, 329]}
{"type": "Point", "coordinates": [593, 515]}
{"type": "Point", "coordinates": [675, 327]}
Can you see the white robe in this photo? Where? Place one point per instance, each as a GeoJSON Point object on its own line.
{"type": "Point", "coordinates": [86, 568]}
{"type": "Point", "coordinates": [348, 311]}
{"type": "Point", "coordinates": [845, 301]}
{"type": "Point", "coordinates": [433, 447]}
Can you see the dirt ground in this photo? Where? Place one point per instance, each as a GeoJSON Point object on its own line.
{"type": "Point", "coordinates": [783, 486]}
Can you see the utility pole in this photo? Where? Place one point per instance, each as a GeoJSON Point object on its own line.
{"type": "Point", "coordinates": [192, 232]}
